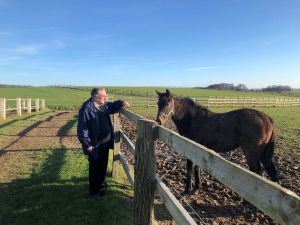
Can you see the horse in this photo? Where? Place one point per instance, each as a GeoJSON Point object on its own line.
{"type": "Point", "coordinates": [251, 130]}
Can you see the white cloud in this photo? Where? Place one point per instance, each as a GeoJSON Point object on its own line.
{"type": "Point", "coordinates": [32, 49]}
{"type": "Point", "coordinates": [200, 68]}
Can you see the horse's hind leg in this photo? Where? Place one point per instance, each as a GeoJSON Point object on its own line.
{"type": "Point", "coordinates": [188, 182]}
{"type": "Point", "coordinates": [197, 178]}
{"type": "Point", "coordinates": [252, 160]}
{"type": "Point", "coordinates": [272, 172]}
{"type": "Point", "coordinates": [267, 160]}
{"type": "Point", "coordinates": [270, 167]}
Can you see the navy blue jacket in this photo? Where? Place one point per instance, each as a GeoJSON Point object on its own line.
{"type": "Point", "coordinates": [87, 125]}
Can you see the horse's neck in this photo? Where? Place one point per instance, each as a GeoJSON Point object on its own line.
{"type": "Point", "coordinates": [185, 114]}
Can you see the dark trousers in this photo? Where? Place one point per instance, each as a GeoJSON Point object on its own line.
{"type": "Point", "coordinates": [97, 170]}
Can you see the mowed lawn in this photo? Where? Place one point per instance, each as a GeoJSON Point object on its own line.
{"type": "Point", "coordinates": [47, 185]}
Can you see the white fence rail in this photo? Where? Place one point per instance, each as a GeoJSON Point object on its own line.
{"type": "Point", "coordinates": [19, 106]}
{"type": "Point", "coordinates": [231, 102]}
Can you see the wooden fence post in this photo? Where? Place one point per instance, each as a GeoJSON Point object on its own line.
{"type": "Point", "coordinates": [130, 100]}
{"type": "Point", "coordinates": [18, 106]}
{"type": "Point", "coordinates": [42, 104]}
{"type": "Point", "coordinates": [144, 173]}
{"type": "Point", "coordinates": [3, 108]}
{"type": "Point", "coordinates": [147, 100]}
{"type": "Point", "coordinates": [37, 105]}
{"type": "Point", "coordinates": [23, 104]}
{"type": "Point", "coordinates": [28, 105]}
{"type": "Point", "coordinates": [208, 102]}
{"type": "Point", "coordinates": [116, 151]}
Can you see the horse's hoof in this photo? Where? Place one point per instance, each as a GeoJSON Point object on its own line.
{"type": "Point", "coordinates": [186, 191]}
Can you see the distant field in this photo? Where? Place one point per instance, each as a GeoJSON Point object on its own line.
{"type": "Point", "coordinates": [72, 98]}
{"type": "Point", "coordinates": [196, 92]}
{"type": "Point", "coordinates": [56, 97]}
{"type": "Point", "coordinates": [287, 119]}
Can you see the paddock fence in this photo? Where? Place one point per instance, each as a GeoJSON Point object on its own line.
{"type": "Point", "coordinates": [19, 106]}
{"type": "Point", "coordinates": [281, 204]}
{"type": "Point", "coordinates": [145, 100]}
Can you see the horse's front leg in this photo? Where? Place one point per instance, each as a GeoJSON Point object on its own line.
{"type": "Point", "coordinates": [188, 182]}
{"type": "Point", "coordinates": [197, 178]}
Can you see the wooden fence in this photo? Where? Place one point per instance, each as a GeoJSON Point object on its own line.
{"type": "Point", "coordinates": [215, 101]}
{"type": "Point", "coordinates": [281, 204]}
{"type": "Point", "coordinates": [19, 106]}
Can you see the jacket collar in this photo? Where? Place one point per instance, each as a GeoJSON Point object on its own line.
{"type": "Point", "coordinates": [90, 105]}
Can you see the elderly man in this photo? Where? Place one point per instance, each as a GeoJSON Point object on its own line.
{"type": "Point", "coordinates": [95, 133]}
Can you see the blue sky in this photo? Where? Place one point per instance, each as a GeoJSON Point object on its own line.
{"type": "Point", "coordinates": [150, 43]}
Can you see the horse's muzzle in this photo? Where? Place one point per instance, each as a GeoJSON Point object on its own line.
{"type": "Point", "coordinates": [160, 120]}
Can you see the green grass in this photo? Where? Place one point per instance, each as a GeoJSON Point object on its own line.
{"type": "Point", "coordinates": [15, 124]}
{"type": "Point", "coordinates": [196, 92]}
{"type": "Point", "coordinates": [61, 98]}
{"type": "Point", "coordinates": [56, 97]}
{"type": "Point", "coordinates": [51, 187]}
{"type": "Point", "coordinates": [56, 193]}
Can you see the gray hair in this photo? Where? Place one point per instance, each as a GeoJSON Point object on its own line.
{"type": "Point", "coordinates": [95, 91]}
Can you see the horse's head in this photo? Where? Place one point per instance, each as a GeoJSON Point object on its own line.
{"type": "Point", "coordinates": [165, 106]}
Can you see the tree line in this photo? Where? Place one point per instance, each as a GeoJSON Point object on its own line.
{"type": "Point", "coordinates": [243, 87]}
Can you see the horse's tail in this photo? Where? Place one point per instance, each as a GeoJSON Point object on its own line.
{"type": "Point", "coordinates": [267, 156]}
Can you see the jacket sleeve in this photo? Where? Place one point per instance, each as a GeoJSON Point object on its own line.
{"type": "Point", "coordinates": [82, 130]}
{"type": "Point", "coordinates": [114, 106]}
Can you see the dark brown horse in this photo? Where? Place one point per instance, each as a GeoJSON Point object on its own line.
{"type": "Point", "coordinates": [249, 129]}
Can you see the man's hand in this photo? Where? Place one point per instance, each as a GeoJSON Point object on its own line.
{"type": "Point", "coordinates": [90, 149]}
{"type": "Point", "coordinates": [125, 104]}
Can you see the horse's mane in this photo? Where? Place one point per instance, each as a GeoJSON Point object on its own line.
{"type": "Point", "coordinates": [191, 102]}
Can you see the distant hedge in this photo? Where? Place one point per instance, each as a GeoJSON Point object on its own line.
{"type": "Point", "coordinates": [63, 107]}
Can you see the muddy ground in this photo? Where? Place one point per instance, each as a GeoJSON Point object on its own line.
{"type": "Point", "coordinates": [215, 203]}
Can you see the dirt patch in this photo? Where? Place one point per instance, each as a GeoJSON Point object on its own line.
{"type": "Point", "coordinates": [19, 151]}
{"type": "Point", "coordinates": [214, 203]}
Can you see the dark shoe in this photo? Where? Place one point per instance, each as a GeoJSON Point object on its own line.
{"type": "Point", "coordinates": [93, 194]}
{"type": "Point", "coordinates": [102, 191]}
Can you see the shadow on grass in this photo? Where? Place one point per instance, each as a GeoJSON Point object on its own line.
{"type": "Point", "coordinates": [64, 131]}
{"type": "Point", "coordinates": [56, 193]}
{"type": "Point", "coordinates": [23, 119]}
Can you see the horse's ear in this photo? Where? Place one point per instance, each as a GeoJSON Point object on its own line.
{"type": "Point", "coordinates": [158, 93]}
{"type": "Point", "coordinates": [168, 93]}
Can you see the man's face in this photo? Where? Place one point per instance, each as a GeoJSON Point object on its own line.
{"type": "Point", "coordinates": [102, 97]}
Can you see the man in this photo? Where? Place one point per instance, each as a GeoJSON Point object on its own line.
{"type": "Point", "coordinates": [95, 133]}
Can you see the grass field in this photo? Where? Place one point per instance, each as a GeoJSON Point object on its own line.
{"type": "Point", "coordinates": [41, 184]}
{"type": "Point", "coordinates": [287, 119]}
{"type": "Point", "coordinates": [69, 98]}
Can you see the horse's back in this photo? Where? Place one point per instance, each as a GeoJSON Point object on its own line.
{"type": "Point", "coordinates": [253, 125]}
{"type": "Point", "coordinates": [226, 131]}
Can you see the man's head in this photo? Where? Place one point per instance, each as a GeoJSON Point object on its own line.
{"type": "Point", "coordinates": [99, 95]}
